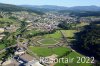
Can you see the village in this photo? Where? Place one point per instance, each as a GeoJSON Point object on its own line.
{"type": "Point", "coordinates": [24, 55]}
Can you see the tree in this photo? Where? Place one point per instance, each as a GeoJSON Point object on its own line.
{"type": "Point", "coordinates": [64, 25]}
{"type": "Point", "coordinates": [89, 39]}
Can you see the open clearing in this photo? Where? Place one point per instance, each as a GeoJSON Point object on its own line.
{"type": "Point", "coordinates": [55, 35]}
{"type": "Point", "coordinates": [69, 33]}
{"type": "Point", "coordinates": [41, 51]}
{"type": "Point", "coordinates": [48, 41]}
{"type": "Point", "coordinates": [73, 55]}
{"type": "Point", "coordinates": [82, 24]}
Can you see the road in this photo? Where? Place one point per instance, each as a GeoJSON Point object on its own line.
{"type": "Point", "coordinates": [66, 41]}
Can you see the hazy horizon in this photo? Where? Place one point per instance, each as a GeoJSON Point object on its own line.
{"type": "Point", "coordinates": [64, 3]}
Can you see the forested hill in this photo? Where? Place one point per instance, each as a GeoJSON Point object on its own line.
{"type": "Point", "coordinates": [89, 40]}
{"type": "Point", "coordinates": [14, 8]}
{"type": "Point", "coordinates": [80, 13]}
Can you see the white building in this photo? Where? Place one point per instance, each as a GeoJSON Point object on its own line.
{"type": "Point", "coordinates": [1, 36]}
{"type": "Point", "coordinates": [1, 30]}
{"type": "Point", "coordinates": [33, 63]}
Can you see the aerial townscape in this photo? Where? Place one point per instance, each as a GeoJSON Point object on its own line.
{"type": "Point", "coordinates": [40, 35]}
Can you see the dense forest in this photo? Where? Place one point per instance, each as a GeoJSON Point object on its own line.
{"type": "Point", "coordinates": [89, 40]}
{"type": "Point", "coordinates": [85, 13]}
{"type": "Point", "coordinates": [80, 13]}
{"type": "Point", "coordinates": [63, 25]}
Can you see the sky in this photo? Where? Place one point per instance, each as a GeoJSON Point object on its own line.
{"type": "Point", "coordinates": [67, 3]}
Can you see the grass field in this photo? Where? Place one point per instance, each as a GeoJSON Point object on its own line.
{"type": "Point", "coordinates": [50, 38]}
{"type": "Point", "coordinates": [44, 52]}
{"type": "Point", "coordinates": [32, 32]}
{"type": "Point", "coordinates": [74, 55]}
{"type": "Point", "coordinates": [82, 24]}
{"type": "Point", "coordinates": [57, 34]}
{"type": "Point", "coordinates": [47, 51]}
{"type": "Point", "coordinates": [69, 33]}
{"type": "Point", "coordinates": [48, 41]}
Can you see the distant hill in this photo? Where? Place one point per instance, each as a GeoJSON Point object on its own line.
{"type": "Point", "coordinates": [81, 11]}
{"type": "Point", "coordinates": [56, 8]}
{"type": "Point", "coordinates": [13, 8]}
{"type": "Point", "coordinates": [45, 8]}
{"type": "Point", "coordinates": [86, 8]}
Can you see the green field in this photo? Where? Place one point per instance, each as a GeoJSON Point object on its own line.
{"type": "Point", "coordinates": [48, 41]}
{"type": "Point", "coordinates": [55, 35]}
{"type": "Point", "coordinates": [69, 33]}
{"type": "Point", "coordinates": [33, 32]}
{"type": "Point", "coordinates": [6, 22]}
{"type": "Point", "coordinates": [47, 51]}
{"type": "Point", "coordinates": [44, 52]}
{"type": "Point", "coordinates": [74, 63]}
{"type": "Point", "coordinates": [60, 51]}
{"type": "Point", "coordinates": [82, 24]}
{"type": "Point", "coordinates": [75, 55]}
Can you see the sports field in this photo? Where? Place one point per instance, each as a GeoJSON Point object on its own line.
{"type": "Point", "coordinates": [41, 51]}
{"type": "Point", "coordinates": [48, 41]}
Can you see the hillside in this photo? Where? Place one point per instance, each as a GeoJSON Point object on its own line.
{"type": "Point", "coordinates": [54, 7]}
{"type": "Point", "coordinates": [14, 8]}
